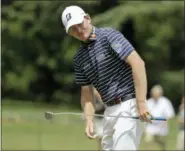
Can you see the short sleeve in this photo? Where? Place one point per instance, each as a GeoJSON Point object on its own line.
{"type": "Point", "coordinates": [121, 46]}
{"type": "Point", "coordinates": [80, 78]}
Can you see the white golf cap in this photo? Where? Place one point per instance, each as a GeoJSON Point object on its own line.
{"type": "Point", "coordinates": [72, 15]}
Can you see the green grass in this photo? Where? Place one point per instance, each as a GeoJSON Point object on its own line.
{"type": "Point", "coordinates": [33, 132]}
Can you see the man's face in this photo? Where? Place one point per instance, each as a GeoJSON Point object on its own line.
{"type": "Point", "coordinates": [81, 31]}
{"type": "Point", "coordinates": [156, 94]}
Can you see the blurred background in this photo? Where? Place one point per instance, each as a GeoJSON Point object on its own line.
{"type": "Point", "coordinates": [38, 74]}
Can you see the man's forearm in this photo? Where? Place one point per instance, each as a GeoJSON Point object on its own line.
{"type": "Point", "coordinates": [87, 99]}
{"type": "Point", "coordinates": [88, 110]}
{"type": "Point", "coordinates": [140, 81]}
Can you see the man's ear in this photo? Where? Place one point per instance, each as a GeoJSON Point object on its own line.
{"type": "Point", "coordinates": [88, 17]}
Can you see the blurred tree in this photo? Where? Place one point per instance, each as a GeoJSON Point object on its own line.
{"type": "Point", "coordinates": [6, 2]}
{"type": "Point", "coordinates": [36, 61]}
{"type": "Point", "coordinates": [37, 56]}
{"type": "Point", "coordinates": [107, 4]}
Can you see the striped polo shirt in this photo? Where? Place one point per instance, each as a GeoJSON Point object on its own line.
{"type": "Point", "coordinates": [101, 63]}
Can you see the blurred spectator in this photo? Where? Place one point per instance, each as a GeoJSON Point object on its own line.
{"type": "Point", "coordinates": [180, 136]}
{"type": "Point", "coordinates": [159, 106]}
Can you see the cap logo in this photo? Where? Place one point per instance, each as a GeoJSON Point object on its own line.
{"type": "Point", "coordinates": [68, 16]}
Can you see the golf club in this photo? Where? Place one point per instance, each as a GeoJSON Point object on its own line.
{"type": "Point", "coordinates": [49, 115]}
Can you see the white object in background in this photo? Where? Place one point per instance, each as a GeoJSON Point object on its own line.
{"type": "Point", "coordinates": [162, 108]}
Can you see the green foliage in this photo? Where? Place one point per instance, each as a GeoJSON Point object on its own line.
{"type": "Point", "coordinates": [37, 55]}
{"type": "Point", "coordinates": [173, 83]}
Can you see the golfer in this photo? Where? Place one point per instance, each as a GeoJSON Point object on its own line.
{"type": "Point", "coordinates": [107, 61]}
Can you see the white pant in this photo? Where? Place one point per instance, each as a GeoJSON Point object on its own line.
{"type": "Point", "coordinates": [122, 133]}
{"type": "Point", "coordinates": [98, 127]}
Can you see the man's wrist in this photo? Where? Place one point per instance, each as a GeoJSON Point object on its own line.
{"type": "Point", "coordinates": [88, 121]}
{"type": "Point", "coordinates": [141, 103]}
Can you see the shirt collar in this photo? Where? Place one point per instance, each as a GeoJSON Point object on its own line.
{"type": "Point", "coordinates": [93, 35]}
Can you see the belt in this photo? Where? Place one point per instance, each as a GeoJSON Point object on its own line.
{"type": "Point", "coordinates": [118, 100]}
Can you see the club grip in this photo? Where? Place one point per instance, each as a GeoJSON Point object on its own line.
{"type": "Point", "coordinates": [158, 118]}
{"type": "Point", "coordinates": [153, 118]}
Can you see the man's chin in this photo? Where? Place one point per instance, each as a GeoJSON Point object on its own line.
{"type": "Point", "coordinates": [84, 39]}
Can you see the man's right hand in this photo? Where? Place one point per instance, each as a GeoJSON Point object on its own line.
{"type": "Point", "coordinates": [89, 130]}
{"type": "Point", "coordinates": [143, 112]}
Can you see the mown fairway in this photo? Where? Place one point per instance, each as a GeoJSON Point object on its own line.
{"type": "Point", "coordinates": [24, 128]}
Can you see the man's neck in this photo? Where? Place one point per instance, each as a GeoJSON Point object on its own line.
{"type": "Point", "coordinates": [90, 29]}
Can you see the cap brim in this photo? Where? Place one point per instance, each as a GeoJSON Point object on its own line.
{"type": "Point", "coordinates": [74, 21]}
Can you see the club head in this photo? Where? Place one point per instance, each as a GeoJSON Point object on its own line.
{"type": "Point", "coordinates": [48, 115]}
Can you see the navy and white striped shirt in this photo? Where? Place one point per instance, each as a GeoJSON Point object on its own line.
{"type": "Point", "coordinates": [102, 64]}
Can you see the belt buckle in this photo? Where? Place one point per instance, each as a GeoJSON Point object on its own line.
{"type": "Point", "coordinates": [118, 100]}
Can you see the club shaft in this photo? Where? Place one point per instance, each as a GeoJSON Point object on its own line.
{"type": "Point", "coordinates": [119, 116]}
